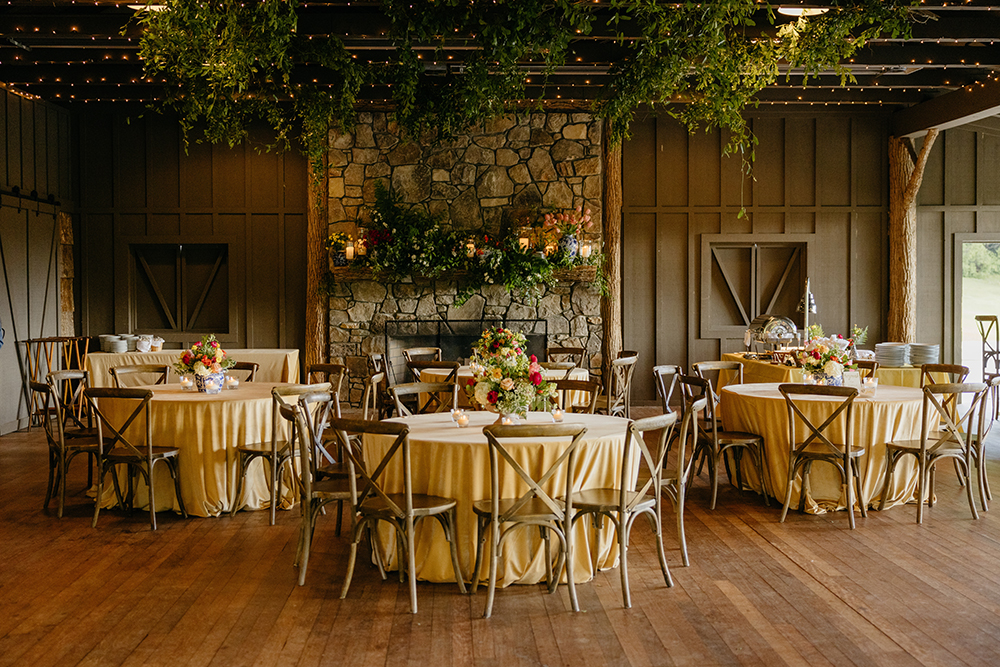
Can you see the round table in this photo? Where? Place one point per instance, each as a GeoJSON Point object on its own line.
{"type": "Point", "coordinates": [454, 462]}
{"type": "Point", "coordinates": [893, 413]}
{"type": "Point", "coordinates": [206, 428]}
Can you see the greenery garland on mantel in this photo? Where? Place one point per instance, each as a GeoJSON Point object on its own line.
{"type": "Point", "coordinates": [227, 62]}
{"type": "Point", "coordinates": [407, 244]}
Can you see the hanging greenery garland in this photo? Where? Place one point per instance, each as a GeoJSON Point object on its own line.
{"type": "Point", "coordinates": [226, 63]}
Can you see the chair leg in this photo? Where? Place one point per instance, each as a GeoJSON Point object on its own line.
{"type": "Point", "coordinates": [660, 552]}
{"type": "Point", "coordinates": [968, 486]}
{"type": "Point", "coordinates": [890, 464]}
{"type": "Point", "coordinates": [758, 459]}
{"type": "Point", "coordinates": [681, 492]}
{"type": "Point", "coordinates": [353, 556]}
{"type": "Point", "coordinates": [623, 527]}
{"type": "Point", "coordinates": [305, 541]}
{"type": "Point", "coordinates": [242, 464]}
{"type": "Point", "coordinates": [52, 473]}
{"type": "Point", "coordinates": [276, 467]}
{"type": "Point", "coordinates": [921, 486]}
{"type": "Point", "coordinates": [176, 474]}
{"type": "Point", "coordinates": [411, 563]}
{"type": "Point", "coordinates": [481, 525]}
{"type": "Point", "coordinates": [100, 492]}
{"type": "Point", "coordinates": [61, 486]}
{"type": "Point", "coordinates": [568, 548]}
{"type": "Point", "coordinates": [550, 575]}
{"type": "Point", "coordinates": [788, 492]}
{"type": "Point", "coordinates": [849, 492]}
{"type": "Point", "coordinates": [858, 487]}
{"type": "Point", "coordinates": [447, 522]}
{"type": "Point", "coordinates": [494, 558]}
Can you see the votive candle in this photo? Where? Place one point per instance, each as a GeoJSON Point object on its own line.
{"type": "Point", "coordinates": [557, 415]}
{"type": "Point", "coordinates": [585, 250]}
{"type": "Point", "coordinates": [463, 420]}
{"type": "Point", "coordinates": [349, 251]}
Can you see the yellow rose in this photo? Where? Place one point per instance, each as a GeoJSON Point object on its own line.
{"type": "Point", "coordinates": [496, 374]}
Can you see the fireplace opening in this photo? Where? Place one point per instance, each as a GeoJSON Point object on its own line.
{"type": "Point", "coordinates": [454, 337]}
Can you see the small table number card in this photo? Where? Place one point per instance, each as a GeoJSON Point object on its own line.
{"type": "Point", "coordinates": [852, 378]}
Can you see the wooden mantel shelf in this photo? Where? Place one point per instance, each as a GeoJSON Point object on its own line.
{"type": "Point", "coordinates": [586, 273]}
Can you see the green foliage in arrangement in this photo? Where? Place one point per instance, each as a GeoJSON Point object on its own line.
{"type": "Point", "coordinates": [403, 243]}
{"type": "Point", "coordinates": [227, 62]}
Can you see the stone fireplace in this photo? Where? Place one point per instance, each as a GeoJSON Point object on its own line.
{"type": "Point", "coordinates": [538, 161]}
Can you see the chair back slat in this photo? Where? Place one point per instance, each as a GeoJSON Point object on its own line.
{"type": "Point", "coordinates": [117, 431]}
{"type": "Point", "coordinates": [434, 390]}
{"type": "Point", "coordinates": [665, 379]}
{"type": "Point", "coordinates": [120, 373]}
{"type": "Point", "coordinates": [500, 436]}
{"type": "Point", "coordinates": [819, 433]}
{"type": "Point", "coordinates": [372, 485]}
{"type": "Point", "coordinates": [662, 428]}
{"type": "Point", "coordinates": [954, 425]}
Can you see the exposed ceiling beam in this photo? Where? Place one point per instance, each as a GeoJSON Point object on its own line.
{"type": "Point", "coordinates": [966, 105]}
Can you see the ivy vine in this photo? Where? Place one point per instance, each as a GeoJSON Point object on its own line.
{"type": "Point", "coordinates": [227, 62]}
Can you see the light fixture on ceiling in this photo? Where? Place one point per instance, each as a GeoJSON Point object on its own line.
{"type": "Point", "coordinates": [802, 11]}
{"type": "Point", "coordinates": [148, 8]}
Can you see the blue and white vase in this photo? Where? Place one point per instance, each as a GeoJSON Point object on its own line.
{"type": "Point", "coordinates": [201, 380]}
{"type": "Point", "coordinates": [570, 245]}
{"type": "Point", "coordinates": [828, 380]}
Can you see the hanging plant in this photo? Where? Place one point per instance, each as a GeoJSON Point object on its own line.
{"type": "Point", "coordinates": [227, 63]}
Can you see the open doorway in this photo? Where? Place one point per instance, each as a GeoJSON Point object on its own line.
{"type": "Point", "coordinates": [980, 296]}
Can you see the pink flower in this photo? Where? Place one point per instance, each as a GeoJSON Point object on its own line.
{"type": "Point", "coordinates": [536, 378]}
{"type": "Point", "coordinates": [533, 359]}
{"type": "Point", "coordinates": [471, 381]}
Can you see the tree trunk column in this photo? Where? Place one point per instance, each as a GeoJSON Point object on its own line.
{"type": "Point", "coordinates": [906, 171]}
{"type": "Point", "coordinates": [316, 265]}
{"type": "Point", "coordinates": [611, 303]}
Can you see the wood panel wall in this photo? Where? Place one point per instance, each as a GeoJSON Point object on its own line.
{"type": "Point", "coordinates": [139, 185]}
{"type": "Point", "coordinates": [959, 201]}
{"type": "Point", "coordinates": [35, 156]}
{"type": "Point", "coordinates": [820, 179]}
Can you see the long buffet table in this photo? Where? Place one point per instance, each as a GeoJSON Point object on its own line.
{"type": "Point", "coordinates": [764, 371]}
{"type": "Point", "coordinates": [275, 365]}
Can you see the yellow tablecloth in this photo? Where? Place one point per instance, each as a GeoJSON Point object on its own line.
{"type": "Point", "coordinates": [892, 414]}
{"type": "Point", "coordinates": [762, 371]}
{"type": "Point", "coordinates": [453, 462]}
{"type": "Point", "coordinates": [207, 428]}
{"type": "Point", "coordinates": [465, 374]}
{"type": "Point", "coordinates": [275, 365]}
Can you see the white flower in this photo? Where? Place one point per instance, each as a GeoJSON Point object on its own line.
{"type": "Point", "coordinates": [833, 369]}
{"type": "Point", "coordinates": [482, 389]}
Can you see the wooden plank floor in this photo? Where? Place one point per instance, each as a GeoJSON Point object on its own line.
{"type": "Point", "coordinates": [223, 591]}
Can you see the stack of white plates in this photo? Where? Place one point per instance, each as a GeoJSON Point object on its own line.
{"type": "Point", "coordinates": [892, 354]}
{"type": "Point", "coordinates": [921, 354]}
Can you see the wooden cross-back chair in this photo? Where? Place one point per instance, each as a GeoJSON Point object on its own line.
{"type": "Point", "coordinates": [378, 363]}
{"type": "Point", "coordinates": [618, 399]}
{"type": "Point", "coordinates": [436, 393]}
{"type": "Point", "coordinates": [818, 446]}
{"type": "Point", "coordinates": [138, 374]}
{"type": "Point", "coordinates": [713, 443]}
{"type": "Point", "coordinates": [332, 373]}
{"type": "Point", "coordinates": [276, 451]}
{"type": "Point", "coordinates": [960, 422]}
{"type": "Point", "coordinates": [307, 419]}
{"type": "Point", "coordinates": [422, 354]}
{"type": "Point", "coordinates": [67, 390]}
{"type": "Point", "coordinates": [665, 381]}
{"type": "Point", "coordinates": [675, 481]}
{"type": "Point", "coordinates": [62, 449]}
{"type": "Point", "coordinates": [534, 507]}
{"type": "Point", "coordinates": [622, 506]}
{"type": "Point", "coordinates": [989, 331]}
{"type": "Point", "coordinates": [563, 359]}
{"type": "Point", "coordinates": [139, 455]}
{"type": "Point", "coordinates": [248, 367]}
{"type": "Point", "coordinates": [867, 368]}
{"type": "Point", "coordinates": [403, 510]}
{"type": "Point", "coordinates": [569, 392]}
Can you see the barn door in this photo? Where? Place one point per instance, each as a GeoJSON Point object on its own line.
{"type": "Point", "coordinates": [181, 291]}
{"type": "Point", "coordinates": [742, 279]}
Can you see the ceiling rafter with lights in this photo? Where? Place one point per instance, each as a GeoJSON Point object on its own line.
{"type": "Point", "coordinates": [65, 51]}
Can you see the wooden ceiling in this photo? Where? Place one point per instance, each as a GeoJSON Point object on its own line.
{"type": "Point", "coordinates": [65, 51]}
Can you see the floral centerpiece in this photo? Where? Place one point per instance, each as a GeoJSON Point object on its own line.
{"type": "Point", "coordinates": [504, 379]}
{"type": "Point", "coordinates": [826, 358]}
{"type": "Point", "coordinates": [568, 224]}
{"type": "Point", "coordinates": [206, 361]}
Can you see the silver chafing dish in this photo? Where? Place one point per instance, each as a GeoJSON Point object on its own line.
{"type": "Point", "coordinates": [768, 330]}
